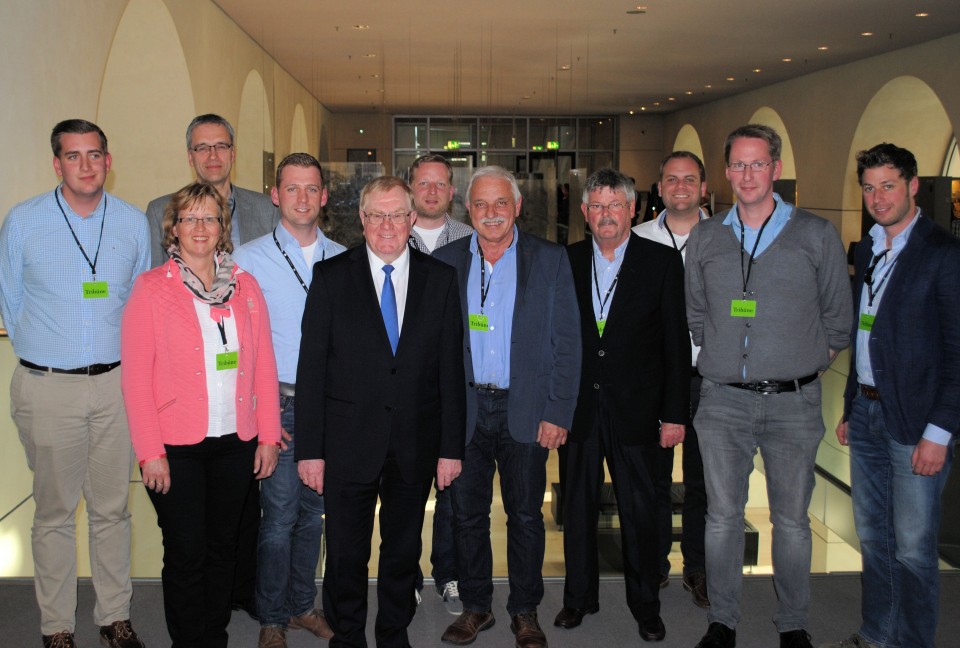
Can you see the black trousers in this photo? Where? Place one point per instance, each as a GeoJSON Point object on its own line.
{"type": "Point", "coordinates": [199, 519]}
{"type": "Point", "coordinates": [632, 469]}
{"type": "Point", "coordinates": [350, 510]}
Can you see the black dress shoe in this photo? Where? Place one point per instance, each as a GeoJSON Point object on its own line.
{"type": "Point", "coordinates": [718, 636]}
{"type": "Point", "coordinates": [653, 629]}
{"type": "Point", "coordinates": [570, 617]}
{"type": "Point", "coordinates": [696, 584]}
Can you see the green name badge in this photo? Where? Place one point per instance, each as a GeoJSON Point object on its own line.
{"type": "Point", "coordinates": [479, 322]}
{"type": "Point", "coordinates": [866, 322]}
{"type": "Point", "coordinates": [95, 290]}
{"type": "Point", "coordinates": [743, 308]}
{"type": "Point", "coordinates": [601, 324]}
{"type": "Point", "coordinates": [227, 360]}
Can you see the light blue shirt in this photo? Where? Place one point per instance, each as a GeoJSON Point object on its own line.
{"type": "Point", "coordinates": [42, 272]}
{"type": "Point", "coordinates": [491, 349]}
{"type": "Point", "coordinates": [282, 291]}
{"type": "Point", "coordinates": [605, 272]}
{"type": "Point", "coordinates": [881, 279]}
{"type": "Point", "coordinates": [781, 214]}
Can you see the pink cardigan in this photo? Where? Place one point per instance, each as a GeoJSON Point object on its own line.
{"type": "Point", "coordinates": [163, 376]}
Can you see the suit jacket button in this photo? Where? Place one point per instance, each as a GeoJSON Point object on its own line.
{"type": "Point", "coordinates": [596, 385]}
{"type": "Point", "coordinates": [470, 383]}
{"type": "Point", "coordinates": [600, 353]}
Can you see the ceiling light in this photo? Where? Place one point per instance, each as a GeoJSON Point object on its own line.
{"type": "Point", "coordinates": [688, 92]}
{"type": "Point", "coordinates": [369, 56]}
{"type": "Point", "coordinates": [361, 26]}
{"type": "Point", "coordinates": [640, 9]}
{"type": "Point", "coordinates": [631, 112]}
{"type": "Point", "coordinates": [708, 86]}
{"type": "Point", "coordinates": [643, 107]}
{"type": "Point", "coordinates": [374, 76]}
{"type": "Point", "coordinates": [822, 48]}
{"type": "Point", "coordinates": [563, 68]}
{"type": "Point", "coordinates": [757, 70]}
{"type": "Point", "coordinates": [656, 103]}
{"type": "Point", "coordinates": [671, 98]}
{"type": "Point", "coordinates": [786, 60]}
{"type": "Point", "coordinates": [866, 33]}
{"type": "Point", "coordinates": [731, 79]}
{"type": "Point", "coordinates": [921, 14]}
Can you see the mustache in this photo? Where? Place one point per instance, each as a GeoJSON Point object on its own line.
{"type": "Point", "coordinates": [606, 220]}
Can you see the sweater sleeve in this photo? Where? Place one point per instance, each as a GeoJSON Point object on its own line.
{"type": "Point", "coordinates": [836, 300]}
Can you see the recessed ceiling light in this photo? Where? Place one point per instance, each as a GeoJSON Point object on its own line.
{"type": "Point", "coordinates": [361, 26]}
{"type": "Point", "coordinates": [688, 92]}
{"type": "Point", "coordinates": [564, 68]}
{"type": "Point", "coordinates": [671, 98]}
{"type": "Point", "coordinates": [631, 112]}
{"type": "Point", "coordinates": [731, 79]}
{"type": "Point", "coordinates": [787, 59]}
{"type": "Point", "coordinates": [374, 76]}
{"type": "Point", "coordinates": [369, 56]}
{"type": "Point", "coordinates": [866, 33]}
{"type": "Point", "coordinates": [643, 107]}
{"type": "Point", "coordinates": [921, 14]}
{"type": "Point", "coordinates": [822, 48]}
{"type": "Point", "coordinates": [708, 86]}
{"type": "Point", "coordinates": [757, 70]}
{"type": "Point", "coordinates": [640, 9]}
{"type": "Point", "coordinates": [656, 103]}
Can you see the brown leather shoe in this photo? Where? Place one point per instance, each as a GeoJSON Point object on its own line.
{"type": "Point", "coordinates": [62, 639]}
{"type": "Point", "coordinates": [314, 621]}
{"type": "Point", "coordinates": [696, 584]}
{"type": "Point", "coordinates": [272, 637]}
{"type": "Point", "coordinates": [467, 626]}
{"type": "Point", "coordinates": [120, 634]}
{"type": "Point", "coordinates": [527, 631]}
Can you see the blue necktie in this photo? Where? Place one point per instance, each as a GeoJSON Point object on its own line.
{"type": "Point", "coordinates": [388, 309]}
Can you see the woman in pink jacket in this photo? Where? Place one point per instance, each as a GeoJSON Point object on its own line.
{"type": "Point", "coordinates": [200, 389]}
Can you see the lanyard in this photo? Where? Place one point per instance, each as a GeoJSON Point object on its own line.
{"type": "Point", "coordinates": [674, 241]}
{"type": "Point", "coordinates": [596, 283]}
{"type": "Point", "coordinates": [92, 264]}
{"type": "Point", "coordinates": [868, 276]}
{"type": "Point", "coordinates": [484, 284]}
{"type": "Point", "coordinates": [753, 252]}
{"type": "Point", "coordinates": [323, 257]}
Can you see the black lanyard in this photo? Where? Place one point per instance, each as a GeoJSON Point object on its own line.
{"type": "Point", "coordinates": [323, 257]}
{"type": "Point", "coordinates": [868, 276]}
{"type": "Point", "coordinates": [484, 284]}
{"type": "Point", "coordinates": [753, 252]}
{"type": "Point", "coordinates": [92, 264]}
{"type": "Point", "coordinates": [674, 241]}
{"type": "Point", "coordinates": [596, 283]}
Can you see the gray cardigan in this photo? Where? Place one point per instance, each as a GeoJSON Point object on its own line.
{"type": "Point", "coordinates": [802, 289]}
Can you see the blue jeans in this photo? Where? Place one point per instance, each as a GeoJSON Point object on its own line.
{"type": "Point", "coordinates": [523, 479]}
{"type": "Point", "coordinates": [787, 428]}
{"type": "Point", "coordinates": [290, 534]}
{"type": "Point", "coordinates": [897, 514]}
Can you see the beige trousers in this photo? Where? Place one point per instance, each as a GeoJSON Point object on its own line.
{"type": "Point", "coordinates": [74, 431]}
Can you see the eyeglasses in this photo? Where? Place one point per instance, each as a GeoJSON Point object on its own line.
{"type": "Point", "coordinates": [740, 167]}
{"type": "Point", "coordinates": [194, 220]}
{"type": "Point", "coordinates": [377, 219]}
{"type": "Point", "coordinates": [613, 208]}
{"type": "Point", "coordinates": [207, 149]}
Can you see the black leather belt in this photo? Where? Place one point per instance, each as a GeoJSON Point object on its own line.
{"type": "Point", "coordinates": [488, 387]}
{"type": "Point", "coordinates": [288, 389]}
{"type": "Point", "coordinates": [870, 392]}
{"type": "Point", "coordinates": [92, 370]}
{"type": "Point", "coordinates": [775, 386]}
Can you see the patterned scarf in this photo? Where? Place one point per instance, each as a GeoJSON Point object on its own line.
{"type": "Point", "coordinates": [224, 282]}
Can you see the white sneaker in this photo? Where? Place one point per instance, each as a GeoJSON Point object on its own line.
{"type": "Point", "coordinates": [451, 598]}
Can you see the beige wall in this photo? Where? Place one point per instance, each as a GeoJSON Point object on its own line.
{"type": "Point", "coordinates": [141, 69]}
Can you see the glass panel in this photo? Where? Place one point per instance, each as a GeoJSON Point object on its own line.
{"type": "Point", "coordinates": [503, 133]}
{"type": "Point", "coordinates": [411, 133]}
{"type": "Point", "coordinates": [341, 220]}
{"type": "Point", "coordinates": [596, 133]}
{"type": "Point", "coordinates": [551, 134]}
{"type": "Point", "coordinates": [452, 134]}
{"type": "Point", "coordinates": [513, 162]}
{"type": "Point", "coordinates": [535, 212]}
{"type": "Point", "coordinates": [593, 161]}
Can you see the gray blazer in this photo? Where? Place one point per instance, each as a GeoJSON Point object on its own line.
{"type": "Point", "coordinates": [545, 350]}
{"type": "Point", "coordinates": [255, 213]}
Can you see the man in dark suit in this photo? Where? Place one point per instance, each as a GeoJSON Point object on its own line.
{"type": "Point", "coordinates": [902, 402]}
{"type": "Point", "coordinates": [522, 359]}
{"type": "Point", "coordinates": [634, 397]}
{"type": "Point", "coordinates": [211, 154]}
{"type": "Point", "coordinates": [379, 409]}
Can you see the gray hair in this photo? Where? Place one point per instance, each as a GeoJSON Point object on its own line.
{"type": "Point", "coordinates": [209, 118]}
{"type": "Point", "coordinates": [494, 171]}
{"type": "Point", "coordinates": [610, 179]}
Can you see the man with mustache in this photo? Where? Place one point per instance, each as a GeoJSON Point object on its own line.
{"type": "Point", "coordinates": [634, 399]}
{"type": "Point", "coordinates": [521, 349]}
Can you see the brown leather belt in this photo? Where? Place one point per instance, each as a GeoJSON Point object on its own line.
{"type": "Point", "coordinates": [91, 370]}
{"type": "Point", "coordinates": [870, 392]}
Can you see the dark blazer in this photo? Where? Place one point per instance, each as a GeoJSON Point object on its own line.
{"type": "Point", "coordinates": [641, 365]}
{"type": "Point", "coordinates": [915, 339]}
{"type": "Point", "coordinates": [544, 340]}
{"type": "Point", "coordinates": [255, 212]}
{"type": "Point", "coordinates": [355, 400]}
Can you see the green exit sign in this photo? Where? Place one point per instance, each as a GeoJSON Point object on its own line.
{"type": "Point", "coordinates": [553, 146]}
{"type": "Point", "coordinates": [452, 145]}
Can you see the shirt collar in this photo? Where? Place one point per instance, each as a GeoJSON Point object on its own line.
{"type": "Point", "coordinates": [781, 213]}
{"type": "Point", "coordinates": [513, 243]}
{"type": "Point", "coordinates": [617, 252]}
{"type": "Point", "coordinates": [286, 239]}
{"type": "Point", "coordinates": [879, 236]}
{"type": "Point", "coordinates": [662, 218]}
{"type": "Point", "coordinates": [399, 264]}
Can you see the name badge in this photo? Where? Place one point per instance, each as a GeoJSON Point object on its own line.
{"type": "Point", "coordinates": [479, 322]}
{"type": "Point", "coordinates": [227, 360]}
{"type": "Point", "coordinates": [743, 308]}
{"type": "Point", "coordinates": [95, 290]}
{"type": "Point", "coordinates": [866, 322]}
{"type": "Point", "coordinates": [601, 324]}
